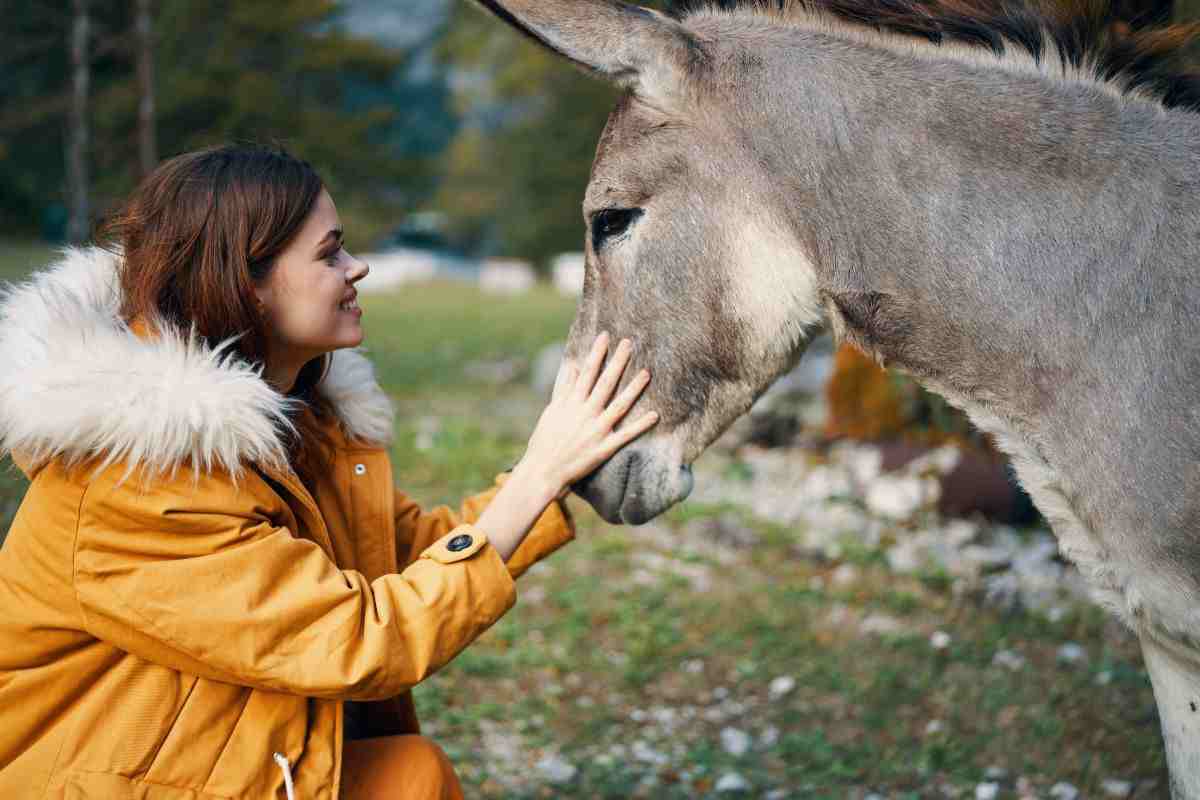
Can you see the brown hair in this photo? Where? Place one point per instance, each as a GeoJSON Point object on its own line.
{"type": "Point", "coordinates": [195, 238]}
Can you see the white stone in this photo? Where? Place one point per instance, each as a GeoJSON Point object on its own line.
{"type": "Point", "coordinates": [1071, 653]}
{"type": "Point", "coordinates": [506, 276]}
{"type": "Point", "coordinates": [1064, 791]}
{"type": "Point", "coordinates": [881, 625]}
{"type": "Point", "coordinates": [781, 686]}
{"type": "Point", "coordinates": [898, 497]}
{"type": "Point", "coordinates": [556, 769]}
{"type": "Point", "coordinates": [545, 368]}
{"type": "Point", "coordinates": [735, 742]}
{"type": "Point", "coordinates": [1009, 660]}
{"type": "Point", "coordinates": [769, 737]}
{"type": "Point", "coordinates": [567, 271]}
{"type": "Point", "coordinates": [693, 666]}
{"type": "Point", "coordinates": [987, 791]}
{"type": "Point", "coordinates": [732, 782]}
{"type": "Point", "coordinates": [640, 751]}
{"type": "Point", "coordinates": [905, 557]}
{"type": "Point", "coordinates": [845, 575]}
{"type": "Point", "coordinates": [995, 773]}
{"type": "Point", "coordinates": [778, 794]}
{"type": "Point", "coordinates": [396, 268]}
{"type": "Point", "coordinates": [940, 640]}
{"type": "Point", "coordinates": [1117, 788]}
{"type": "Point", "coordinates": [934, 727]}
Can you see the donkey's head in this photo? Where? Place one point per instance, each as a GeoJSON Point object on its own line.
{"type": "Point", "coordinates": [686, 250]}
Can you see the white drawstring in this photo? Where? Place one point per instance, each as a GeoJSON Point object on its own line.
{"type": "Point", "coordinates": [286, 769]}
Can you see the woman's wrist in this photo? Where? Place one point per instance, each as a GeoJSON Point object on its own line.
{"type": "Point", "coordinates": [538, 486]}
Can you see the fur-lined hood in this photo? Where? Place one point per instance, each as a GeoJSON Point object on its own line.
{"type": "Point", "coordinates": [77, 383]}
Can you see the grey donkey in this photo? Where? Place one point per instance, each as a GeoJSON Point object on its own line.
{"type": "Point", "coordinates": [1015, 224]}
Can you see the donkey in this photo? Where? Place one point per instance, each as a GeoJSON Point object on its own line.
{"type": "Point", "coordinates": [993, 202]}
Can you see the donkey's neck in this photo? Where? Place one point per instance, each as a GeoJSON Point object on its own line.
{"type": "Point", "coordinates": [977, 227]}
{"type": "Point", "coordinates": [1027, 248]}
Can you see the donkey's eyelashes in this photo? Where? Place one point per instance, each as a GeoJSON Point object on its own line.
{"type": "Point", "coordinates": [611, 222]}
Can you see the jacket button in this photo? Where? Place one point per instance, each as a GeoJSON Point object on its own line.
{"type": "Point", "coordinates": [460, 542]}
{"type": "Point", "coordinates": [360, 469]}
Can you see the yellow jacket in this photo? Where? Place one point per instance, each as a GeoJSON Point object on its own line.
{"type": "Point", "coordinates": [176, 609]}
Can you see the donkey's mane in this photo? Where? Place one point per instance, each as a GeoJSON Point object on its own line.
{"type": "Point", "coordinates": [1086, 36]}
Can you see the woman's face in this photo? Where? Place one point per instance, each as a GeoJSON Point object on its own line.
{"type": "Point", "coordinates": [309, 297]}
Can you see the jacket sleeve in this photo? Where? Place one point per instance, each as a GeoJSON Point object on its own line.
{"type": "Point", "coordinates": [416, 529]}
{"type": "Point", "coordinates": [198, 578]}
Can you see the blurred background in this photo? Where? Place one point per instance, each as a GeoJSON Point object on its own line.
{"type": "Point", "coordinates": [857, 601]}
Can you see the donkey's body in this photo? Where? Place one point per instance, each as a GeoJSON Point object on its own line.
{"type": "Point", "coordinates": [1022, 238]}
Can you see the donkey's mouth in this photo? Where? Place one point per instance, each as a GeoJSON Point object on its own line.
{"type": "Point", "coordinates": [631, 488]}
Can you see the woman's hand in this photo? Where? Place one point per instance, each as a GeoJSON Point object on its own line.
{"type": "Point", "coordinates": [577, 431]}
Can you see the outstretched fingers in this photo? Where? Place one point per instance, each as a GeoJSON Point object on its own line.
{"type": "Point", "coordinates": [618, 439]}
{"type": "Point", "coordinates": [591, 368]}
{"type": "Point", "coordinates": [624, 401]}
{"type": "Point", "coordinates": [607, 383]}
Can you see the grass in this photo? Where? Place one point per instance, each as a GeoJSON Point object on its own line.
{"type": "Point", "coordinates": [631, 650]}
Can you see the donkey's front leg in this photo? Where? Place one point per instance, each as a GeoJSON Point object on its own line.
{"type": "Point", "coordinates": [1175, 674]}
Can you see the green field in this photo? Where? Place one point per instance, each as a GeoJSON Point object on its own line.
{"type": "Point", "coordinates": [632, 651]}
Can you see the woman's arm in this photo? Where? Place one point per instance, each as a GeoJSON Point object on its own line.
{"type": "Point", "coordinates": [198, 577]}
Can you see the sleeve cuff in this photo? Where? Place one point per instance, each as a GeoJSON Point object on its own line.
{"type": "Point", "coordinates": [460, 544]}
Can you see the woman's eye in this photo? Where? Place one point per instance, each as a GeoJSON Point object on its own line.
{"type": "Point", "coordinates": [332, 258]}
{"type": "Point", "coordinates": [612, 222]}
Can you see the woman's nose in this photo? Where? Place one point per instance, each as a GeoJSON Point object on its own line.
{"type": "Point", "coordinates": [358, 270]}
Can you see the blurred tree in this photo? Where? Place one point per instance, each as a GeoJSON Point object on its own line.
{"type": "Point", "coordinates": [224, 70]}
{"type": "Point", "coordinates": [515, 175]}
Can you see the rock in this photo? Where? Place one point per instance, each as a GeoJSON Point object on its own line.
{"type": "Point", "coordinates": [778, 794]}
{"type": "Point", "coordinates": [506, 276]}
{"type": "Point", "coordinates": [881, 625]}
{"type": "Point", "coordinates": [995, 774]}
{"type": "Point", "coordinates": [1104, 677]}
{"type": "Point", "coordinates": [545, 367]}
{"type": "Point", "coordinates": [898, 497]}
{"type": "Point", "coordinates": [1117, 788]}
{"type": "Point", "coordinates": [988, 559]}
{"type": "Point", "coordinates": [845, 575]}
{"type": "Point", "coordinates": [556, 769]}
{"type": "Point", "coordinates": [905, 557]}
{"type": "Point", "coordinates": [987, 791]}
{"type": "Point", "coordinates": [567, 270]}
{"type": "Point", "coordinates": [1009, 660]}
{"type": "Point", "coordinates": [781, 686]}
{"type": "Point", "coordinates": [934, 727]}
{"type": "Point", "coordinates": [693, 666]}
{"type": "Point", "coordinates": [940, 640]}
{"type": "Point", "coordinates": [1064, 791]}
{"type": "Point", "coordinates": [730, 783]}
{"type": "Point", "coordinates": [494, 372]}
{"type": "Point", "coordinates": [1002, 591]}
{"type": "Point", "coordinates": [1071, 653]}
{"type": "Point", "coordinates": [769, 737]}
{"type": "Point", "coordinates": [735, 742]}
{"type": "Point", "coordinates": [640, 751]}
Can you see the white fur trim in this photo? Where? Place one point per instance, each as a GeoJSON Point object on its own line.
{"type": "Point", "coordinates": [77, 384]}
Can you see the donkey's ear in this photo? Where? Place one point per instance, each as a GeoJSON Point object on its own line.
{"type": "Point", "coordinates": [627, 44]}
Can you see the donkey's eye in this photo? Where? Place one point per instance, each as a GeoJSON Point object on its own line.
{"type": "Point", "coordinates": [612, 222]}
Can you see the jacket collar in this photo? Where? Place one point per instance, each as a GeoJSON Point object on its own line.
{"type": "Point", "coordinates": [79, 384]}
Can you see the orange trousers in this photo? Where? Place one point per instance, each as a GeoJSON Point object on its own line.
{"type": "Point", "coordinates": [397, 768]}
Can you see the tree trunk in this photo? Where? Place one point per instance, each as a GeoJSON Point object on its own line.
{"type": "Point", "coordinates": [77, 133]}
{"type": "Point", "coordinates": [147, 140]}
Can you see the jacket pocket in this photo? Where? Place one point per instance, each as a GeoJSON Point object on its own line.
{"type": "Point", "coordinates": [199, 734]}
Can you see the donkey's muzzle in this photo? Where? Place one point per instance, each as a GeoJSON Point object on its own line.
{"type": "Point", "coordinates": [633, 487]}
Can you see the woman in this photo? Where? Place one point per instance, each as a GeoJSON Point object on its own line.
{"type": "Point", "coordinates": [211, 589]}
